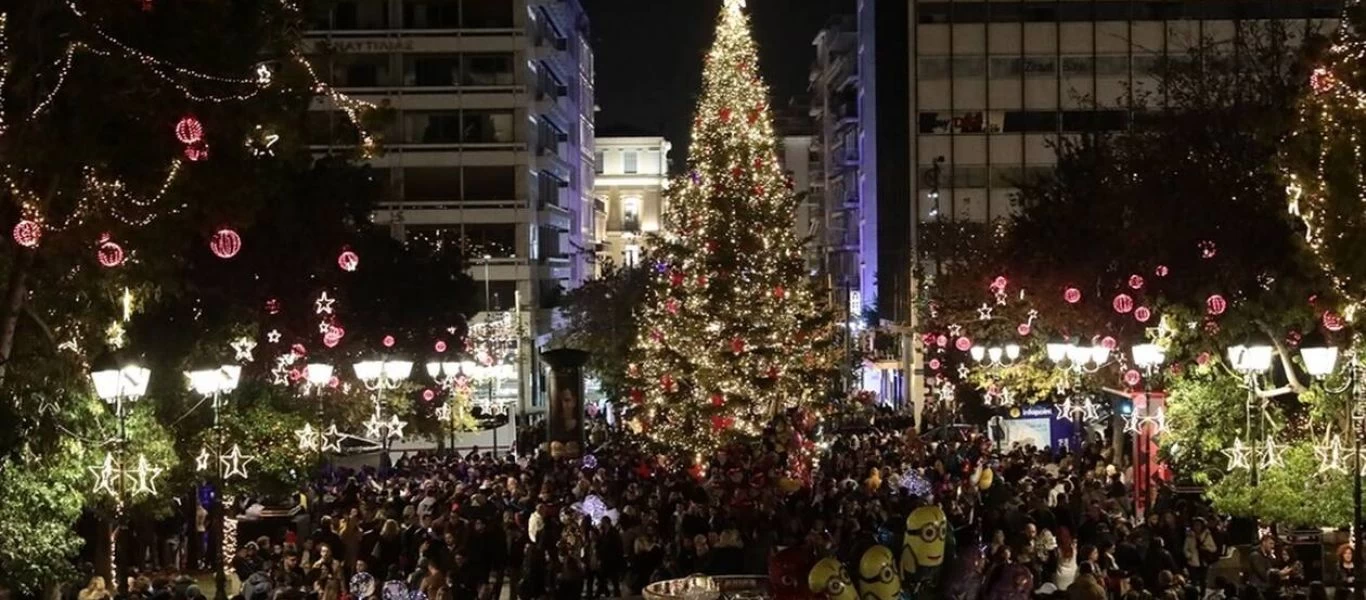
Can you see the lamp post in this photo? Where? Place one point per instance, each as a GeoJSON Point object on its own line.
{"type": "Point", "coordinates": [213, 384]}
{"type": "Point", "coordinates": [118, 387]}
{"type": "Point", "coordinates": [445, 374]}
{"type": "Point", "coordinates": [996, 356]}
{"type": "Point", "coordinates": [1320, 362]}
{"type": "Point", "coordinates": [1252, 361]}
{"type": "Point", "coordinates": [380, 376]}
{"type": "Point", "coordinates": [1148, 357]}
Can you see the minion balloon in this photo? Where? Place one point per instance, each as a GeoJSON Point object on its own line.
{"type": "Point", "coordinates": [877, 578]}
{"type": "Point", "coordinates": [926, 542]}
{"type": "Point", "coordinates": [830, 580]}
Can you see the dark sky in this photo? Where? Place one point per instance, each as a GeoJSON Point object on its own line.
{"type": "Point", "coordinates": [649, 57]}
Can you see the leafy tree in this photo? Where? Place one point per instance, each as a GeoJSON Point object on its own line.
{"type": "Point", "coordinates": [602, 315]}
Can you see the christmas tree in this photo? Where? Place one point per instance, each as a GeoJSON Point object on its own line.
{"type": "Point", "coordinates": [731, 332]}
{"type": "Point", "coordinates": [1324, 165]}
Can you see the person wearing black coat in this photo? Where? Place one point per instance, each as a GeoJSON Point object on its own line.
{"type": "Point", "coordinates": [611, 556]}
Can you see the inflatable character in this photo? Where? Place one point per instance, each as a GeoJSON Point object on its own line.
{"type": "Point", "coordinates": [877, 578]}
{"type": "Point", "coordinates": [830, 580]}
{"type": "Point", "coordinates": [786, 569]}
{"type": "Point", "coordinates": [923, 548]}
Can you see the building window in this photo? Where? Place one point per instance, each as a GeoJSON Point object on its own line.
{"type": "Point", "coordinates": [630, 214]}
{"type": "Point", "coordinates": [548, 189]}
{"type": "Point", "coordinates": [486, 14]}
{"type": "Point", "coordinates": [431, 70]}
{"type": "Point", "coordinates": [631, 256]}
{"type": "Point", "coordinates": [597, 162]}
{"type": "Point", "coordinates": [487, 127]}
{"type": "Point", "coordinates": [629, 159]}
{"type": "Point", "coordinates": [493, 69]}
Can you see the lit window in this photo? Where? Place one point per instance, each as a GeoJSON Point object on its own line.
{"type": "Point", "coordinates": [629, 159]}
{"type": "Point", "coordinates": [630, 214]}
{"type": "Point", "coordinates": [631, 255]}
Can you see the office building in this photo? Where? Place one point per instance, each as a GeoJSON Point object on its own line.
{"type": "Point", "coordinates": [632, 176]}
{"type": "Point", "coordinates": [489, 151]}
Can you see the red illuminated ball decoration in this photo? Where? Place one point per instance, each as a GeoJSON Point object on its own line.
{"type": "Point", "coordinates": [721, 423]}
{"type": "Point", "coordinates": [1108, 343]}
{"type": "Point", "coordinates": [109, 253]}
{"type": "Point", "coordinates": [666, 381]}
{"type": "Point", "coordinates": [439, 346]}
{"type": "Point", "coordinates": [1123, 303]}
{"type": "Point", "coordinates": [1142, 314]}
{"type": "Point", "coordinates": [1333, 322]}
{"type": "Point", "coordinates": [1207, 249]}
{"type": "Point", "coordinates": [1216, 305]}
{"type": "Point", "coordinates": [737, 345]}
{"type": "Point", "coordinates": [942, 341]}
{"type": "Point", "coordinates": [1161, 271]}
{"type": "Point", "coordinates": [935, 364]}
{"type": "Point", "coordinates": [717, 399]}
{"type": "Point", "coordinates": [1322, 80]}
{"type": "Point", "coordinates": [388, 341]}
{"type": "Point", "coordinates": [1132, 377]}
{"type": "Point", "coordinates": [1136, 281]}
{"type": "Point", "coordinates": [333, 336]}
{"type": "Point", "coordinates": [1072, 295]}
{"type": "Point", "coordinates": [334, 382]}
{"type": "Point", "coordinates": [637, 396]}
{"type": "Point", "coordinates": [1023, 329]}
{"type": "Point", "coordinates": [189, 130]}
{"type": "Point", "coordinates": [299, 350]}
{"type": "Point", "coordinates": [724, 114]}
{"type": "Point", "coordinates": [196, 152]}
{"type": "Point", "coordinates": [779, 292]}
{"type": "Point", "coordinates": [28, 233]}
{"type": "Point", "coordinates": [348, 260]}
{"type": "Point", "coordinates": [675, 278]}
{"type": "Point", "coordinates": [999, 284]}
{"type": "Point", "coordinates": [428, 395]}
{"type": "Point", "coordinates": [963, 344]}
{"type": "Point", "coordinates": [225, 243]}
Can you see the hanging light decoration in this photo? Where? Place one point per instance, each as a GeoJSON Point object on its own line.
{"type": "Point", "coordinates": [27, 233]}
{"type": "Point", "coordinates": [189, 130]}
{"type": "Point", "coordinates": [1123, 303]}
{"type": "Point", "coordinates": [109, 253]}
{"type": "Point", "coordinates": [1216, 305]}
{"type": "Point", "coordinates": [348, 260]}
{"type": "Point", "coordinates": [225, 243]}
{"type": "Point", "coordinates": [1072, 295]}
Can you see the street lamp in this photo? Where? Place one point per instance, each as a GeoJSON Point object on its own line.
{"type": "Point", "coordinates": [445, 374]}
{"type": "Point", "coordinates": [379, 376]}
{"type": "Point", "coordinates": [1252, 362]}
{"type": "Point", "coordinates": [1320, 362]}
{"type": "Point", "coordinates": [118, 387]}
{"type": "Point", "coordinates": [318, 375]}
{"type": "Point", "coordinates": [998, 356]}
{"type": "Point", "coordinates": [1148, 357]}
{"type": "Point", "coordinates": [211, 384]}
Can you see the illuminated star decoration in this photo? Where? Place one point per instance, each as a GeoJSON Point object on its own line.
{"type": "Point", "coordinates": [1033, 315]}
{"type": "Point", "coordinates": [962, 371]}
{"type": "Point", "coordinates": [324, 327]}
{"type": "Point", "coordinates": [144, 477]}
{"type": "Point", "coordinates": [104, 475]}
{"type": "Point", "coordinates": [308, 438]}
{"type": "Point", "coordinates": [331, 439]}
{"type": "Point", "coordinates": [1271, 455]}
{"type": "Point", "coordinates": [235, 463]}
{"type": "Point", "coordinates": [1132, 423]}
{"type": "Point", "coordinates": [1001, 298]}
{"type": "Point", "coordinates": [443, 412]}
{"type": "Point", "coordinates": [1237, 455]}
{"type": "Point", "coordinates": [243, 348]}
{"type": "Point", "coordinates": [1159, 420]}
{"type": "Point", "coordinates": [373, 426]}
{"type": "Point", "coordinates": [955, 330]}
{"type": "Point", "coordinates": [395, 427]}
{"type": "Point", "coordinates": [1065, 410]}
{"type": "Point", "coordinates": [1330, 455]}
{"type": "Point", "coordinates": [984, 312]}
{"type": "Point", "coordinates": [274, 336]}
{"type": "Point", "coordinates": [264, 74]}
{"type": "Point", "coordinates": [201, 462]}
{"type": "Point", "coordinates": [323, 305]}
{"type": "Point", "coordinates": [261, 140]}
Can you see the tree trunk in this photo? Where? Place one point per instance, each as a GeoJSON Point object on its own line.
{"type": "Point", "coordinates": [16, 290]}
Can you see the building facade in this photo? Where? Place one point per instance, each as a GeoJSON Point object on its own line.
{"type": "Point", "coordinates": [960, 101]}
{"type": "Point", "coordinates": [632, 176]}
{"type": "Point", "coordinates": [489, 151]}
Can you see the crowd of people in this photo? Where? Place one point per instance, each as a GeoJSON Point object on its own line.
{"type": "Point", "coordinates": [1024, 522]}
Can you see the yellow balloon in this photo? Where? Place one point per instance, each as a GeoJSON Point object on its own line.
{"type": "Point", "coordinates": [877, 577]}
{"type": "Point", "coordinates": [984, 482]}
{"type": "Point", "coordinates": [788, 485]}
{"type": "Point", "coordinates": [830, 579]}
{"type": "Point", "coordinates": [927, 530]}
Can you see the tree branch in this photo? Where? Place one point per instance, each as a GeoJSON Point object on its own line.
{"type": "Point", "coordinates": [1292, 379]}
{"type": "Point", "coordinates": [42, 325]}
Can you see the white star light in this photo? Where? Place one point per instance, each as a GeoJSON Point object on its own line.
{"type": "Point", "coordinates": [323, 305]}
{"type": "Point", "coordinates": [1065, 410]}
{"type": "Point", "coordinates": [324, 327]}
{"type": "Point", "coordinates": [1001, 298]}
{"type": "Point", "coordinates": [243, 348]}
{"type": "Point", "coordinates": [1237, 455]}
{"type": "Point", "coordinates": [395, 427]}
{"type": "Point", "coordinates": [1090, 411]}
{"type": "Point", "coordinates": [1330, 456]}
{"type": "Point", "coordinates": [104, 475]}
{"type": "Point", "coordinates": [1271, 455]}
{"type": "Point", "coordinates": [443, 412]}
{"type": "Point", "coordinates": [955, 330]}
{"type": "Point", "coordinates": [1131, 423]}
{"type": "Point", "coordinates": [264, 74]}
{"type": "Point", "coordinates": [373, 426]}
{"type": "Point", "coordinates": [274, 336]}
{"type": "Point", "coordinates": [962, 371]}
{"type": "Point", "coordinates": [984, 313]}
{"type": "Point", "coordinates": [144, 477]}
{"type": "Point", "coordinates": [235, 463]}
{"type": "Point", "coordinates": [734, 6]}
{"type": "Point", "coordinates": [201, 462]}
{"type": "Point", "coordinates": [331, 439]}
{"type": "Point", "coordinates": [279, 376]}
{"type": "Point", "coordinates": [308, 438]}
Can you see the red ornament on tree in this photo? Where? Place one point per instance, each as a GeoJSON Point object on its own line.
{"type": "Point", "coordinates": [1132, 377]}
{"type": "Point", "coordinates": [225, 243]}
{"type": "Point", "coordinates": [1161, 271]}
{"type": "Point", "coordinates": [721, 423]}
{"type": "Point", "coordinates": [333, 336]}
{"type": "Point", "coordinates": [754, 116]}
{"type": "Point", "coordinates": [1136, 281]}
{"type": "Point", "coordinates": [1071, 295]}
{"type": "Point", "coordinates": [671, 306]}
{"type": "Point", "coordinates": [1023, 329]}
{"type": "Point", "coordinates": [779, 292]}
{"type": "Point", "coordinates": [963, 344]}
{"type": "Point", "coordinates": [637, 396]}
{"type": "Point", "coordinates": [1333, 322]}
{"type": "Point", "coordinates": [428, 395]}
{"type": "Point", "coordinates": [666, 381]}
{"type": "Point", "coordinates": [675, 278]}
{"type": "Point", "coordinates": [999, 284]}
{"type": "Point", "coordinates": [724, 113]}
{"type": "Point", "coordinates": [28, 233]}
{"type": "Point", "coordinates": [348, 260]}
{"type": "Point", "coordinates": [942, 341]}
{"type": "Point", "coordinates": [109, 253]}
{"type": "Point", "coordinates": [1322, 80]}
{"type": "Point", "coordinates": [737, 345]}
{"type": "Point", "coordinates": [272, 306]}
{"type": "Point", "coordinates": [1216, 305]}
{"type": "Point", "coordinates": [935, 364]}
{"type": "Point", "coordinates": [717, 399]}
{"type": "Point", "coordinates": [1142, 314]}
{"type": "Point", "coordinates": [189, 130]}
{"type": "Point", "coordinates": [1108, 343]}
{"type": "Point", "coordinates": [298, 350]}
{"type": "Point", "coordinates": [1123, 303]}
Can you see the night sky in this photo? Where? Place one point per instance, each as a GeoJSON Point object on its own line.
{"type": "Point", "coordinates": [649, 58]}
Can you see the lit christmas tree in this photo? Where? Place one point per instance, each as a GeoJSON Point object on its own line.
{"type": "Point", "coordinates": [732, 332]}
